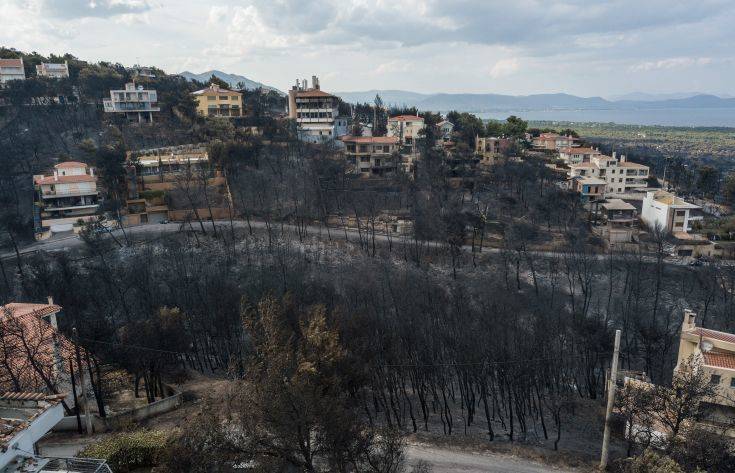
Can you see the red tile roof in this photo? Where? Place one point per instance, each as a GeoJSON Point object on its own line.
{"type": "Point", "coordinates": [406, 118]}
{"type": "Point", "coordinates": [714, 334]}
{"type": "Point", "coordinates": [67, 179]}
{"type": "Point", "coordinates": [370, 139]}
{"type": "Point", "coordinates": [719, 359]}
{"type": "Point", "coordinates": [27, 341]}
{"type": "Point", "coordinates": [11, 63]}
{"type": "Point", "coordinates": [70, 164]}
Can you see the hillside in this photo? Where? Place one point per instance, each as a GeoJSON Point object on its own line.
{"type": "Point", "coordinates": [500, 102]}
{"type": "Point", "coordinates": [232, 79]}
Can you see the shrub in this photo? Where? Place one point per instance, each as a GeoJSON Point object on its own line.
{"type": "Point", "coordinates": [651, 462]}
{"type": "Point", "coordinates": [127, 451]}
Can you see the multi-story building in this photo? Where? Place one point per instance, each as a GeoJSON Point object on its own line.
{"type": "Point", "coordinates": [11, 69]}
{"type": "Point", "coordinates": [553, 141]}
{"type": "Point", "coordinates": [65, 197]}
{"type": "Point", "coordinates": [371, 155]}
{"type": "Point", "coordinates": [620, 217]}
{"type": "Point", "coordinates": [406, 128]}
{"type": "Point", "coordinates": [589, 188]}
{"type": "Point", "coordinates": [620, 175]}
{"type": "Point", "coordinates": [313, 110]}
{"type": "Point", "coordinates": [713, 352]}
{"type": "Point", "coordinates": [217, 102]}
{"type": "Point", "coordinates": [53, 70]}
{"type": "Point", "coordinates": [664, 210]}
{"type": "Point", "coordinates": [577, 155]}
{"type": "Point", "coordinates": [135, 102]}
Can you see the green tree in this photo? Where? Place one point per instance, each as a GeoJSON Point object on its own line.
{"type": "Point", "coordinates": [515, 127]}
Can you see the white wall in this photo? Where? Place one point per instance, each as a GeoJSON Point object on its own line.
{"type": "Point", "coordinates": [654, 212]}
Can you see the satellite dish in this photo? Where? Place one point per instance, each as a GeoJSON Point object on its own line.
{"type": "Point", "coordinates": [707, 345]}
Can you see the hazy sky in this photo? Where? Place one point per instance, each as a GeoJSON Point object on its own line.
{"type": "Point", "coordinates": [583, 47]}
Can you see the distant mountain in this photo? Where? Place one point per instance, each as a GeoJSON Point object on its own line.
{"type": "Point", "coordinates": [498, 102]}
{"type": "Point", "coordinates": [232, 79]}
{"type": "Point", "coordinates": [646, 97]}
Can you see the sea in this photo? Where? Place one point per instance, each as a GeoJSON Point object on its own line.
{"type": "Point", "coordinates": [686, 117]}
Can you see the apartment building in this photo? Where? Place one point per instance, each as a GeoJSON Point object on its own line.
{"type": "Point", "coordinates": [313, 110]}
{"type": "Point", "coordinates": [619, 174]}
{"type": "Point", "coordinates": [590, 189]}
{"type": "Point", "coordinates": [406, 128]}
{"type": "Point", "coordinates": [371, 155]}
{"type": "Point", "coordinates": [217, 102]}
{"type": "Point", "coordinates": [664, 210]}
{"type": "Point", "coordinates": [11, 69]}
{"type": "Point", "coordinates": [577, 155]}
{"type": "Point", "coordinates": [134, 101]}
{"type": "Point", "coordinates": [53, 70]}
{"type": "Point", "coordinates": [553, 141]}
{"type": "Point", "coordinates": [64, 198]}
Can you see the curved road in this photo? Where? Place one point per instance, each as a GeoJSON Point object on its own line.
{"type": "Point", "coordinates": [445, 460]}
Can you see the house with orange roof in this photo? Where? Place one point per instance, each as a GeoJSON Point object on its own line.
{"type": "Point", "coordinates": [64, 198]}
{"type": "Point", "coordinates": [619, 174]}
{"type": "Point", "coordinates": [406, 128]}
{"type": "Point", "coordinates": [553, 141]}
{"type": "Point", "coordinates": [577, 155]}
{"type": "Point", "coordinates": [11, 69]}
{"type": "Point", "coordinates": [714, 352]}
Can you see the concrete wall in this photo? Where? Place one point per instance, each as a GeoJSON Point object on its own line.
{"type": "Point", "coordinates": [120, 419]}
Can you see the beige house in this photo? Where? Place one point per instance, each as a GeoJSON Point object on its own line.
{"type": "Point", "coordinates": [553, 141]}
{"type": "Point", "coordinates": [715, 352]}
{"type": "Point", "coordinates": [406, 128]}
{"type": "Point", "coordinates": [53, 70]}
{"type": "Point", "coordinates": [217, 102]}
{"type": "Point", "coordinates": [577, 155]}
{"type": "Point", "coordinates": [371, 155]}
{"type": "Point", "coordinates": [619, 174]}
{"type": "Point", "coordinates": [620, 217]}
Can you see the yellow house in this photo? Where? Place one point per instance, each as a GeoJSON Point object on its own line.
{"type": "Point", "coordinates": [715, 352]}
{"type": "Point", "coordinates": [217, 102]}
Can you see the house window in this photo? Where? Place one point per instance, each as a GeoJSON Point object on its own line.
{"type": "Point", "coordinates": [714, 379]}
{"type": "Point", "coordinates": [732, 382]}
{"type": "Point", "coordinates": [211, 97]}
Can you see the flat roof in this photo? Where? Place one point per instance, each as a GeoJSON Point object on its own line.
{"type": "Point", "coordinates": [617, 204]}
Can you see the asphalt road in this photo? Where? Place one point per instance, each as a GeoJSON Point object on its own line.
{"type": "Point", "coordinates": [445, 460]}
{"type": "Point", "coordinates": [71, 241]}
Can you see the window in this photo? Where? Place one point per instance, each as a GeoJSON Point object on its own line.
{"type": "Point", "coordinates": [223, 97]}
{"type": "Point", "coordinates": [714, 379]}
{"type": "Point", "coordinates": [732, 382]}
{"type": "Point", "coordinates": [211, 97]}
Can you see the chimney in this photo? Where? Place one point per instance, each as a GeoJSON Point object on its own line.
{"type": "Point", "coordinates": [50, 300]}
{"type": "Point", "coordinates": [305, 84]}
{"type": "Point", "coordinates": [622, 158]}
{"type": "Point", "coordinates": [615, 155]}
{"type": "Point", "coordinates": [689, 321]}
{"type": "Point", "coordinates": [315, 82]}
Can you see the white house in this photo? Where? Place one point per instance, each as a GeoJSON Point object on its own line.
{"type": "Point", "coordinates": [406, 128]}
{"type": "Point", "coordinates": [11, 69]}
{"type": "Point", "coordinates": [134, 102]}
{"type": "Point", "coordinates": [53, 70]}
{"type": "Point", "coordinates": [67, 196]}
{"type": "Point", "coordinates": [670, 213]}
{"type": "Point", "coordinates": [620, 175]}
{"type": "Point", "coordinates": [445, 130]}
{"type": "Point", "coordinates": [25, 419]}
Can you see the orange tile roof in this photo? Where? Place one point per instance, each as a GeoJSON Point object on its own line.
{"type": "Point", "coordinates": [11, 63]}
{"type": "Point", "coordinates": [67, 179]}
{"type": "Point", "coordinates": [70, 164]}
{"type": "Point", "coordinates": [406, 118]}
{"type": "Point", "coordinates": [719, 359]}
{"type": "Point", "coordinates": [707, 333]}
{"type": "Point", "coordinates": [27, 346]}
{"type": "Point", "coordinates": [370, 139]}
{"type": "Point", "coordinates": [579, 151]}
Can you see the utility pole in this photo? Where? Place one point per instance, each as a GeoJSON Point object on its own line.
{"type": "Point", "coordinates": [80, 371]}
{"type": "Point", "coordinates": [612, 384]}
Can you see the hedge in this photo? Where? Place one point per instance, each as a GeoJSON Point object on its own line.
{"type": "Point", "coordinates": [127, 451]}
